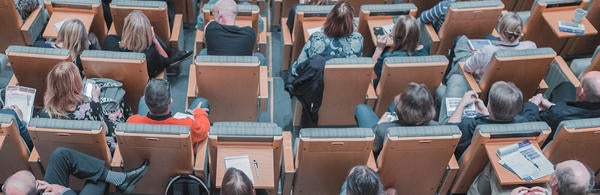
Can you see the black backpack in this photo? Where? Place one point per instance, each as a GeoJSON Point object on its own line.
{"type": "Point", "coordinates": [186, 184]}
{"type": "Point", "coordinates": [113, 102]}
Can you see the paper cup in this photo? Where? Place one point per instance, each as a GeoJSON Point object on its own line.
{"type": "Point", "coordinates": [579, 14]}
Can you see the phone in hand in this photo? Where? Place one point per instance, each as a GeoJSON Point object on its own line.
{"type": "Point", "coordinates": [378, 31]}
{"type": "Point", "coordinates": [88, 88]}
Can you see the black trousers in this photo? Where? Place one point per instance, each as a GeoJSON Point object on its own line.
{"type": "Point", "coordinates": [65, 162]}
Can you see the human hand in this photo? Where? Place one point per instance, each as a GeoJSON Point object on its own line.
{"type": "Point", "coordinates": [468, 98]}
{"type": "Point", "coordinates": [381, 41]}
{"type": "Point", "coordinates": [537, 190]}
{"type": "Point", "coordinates": [17, 110]}
{"type": "Point", "coordinates": [520, 191]}
{"type": "Point", "coordinates": [95, 93]}
{"type": "Point", "coordinates": [50, 189]}
{"type": "Point", "coordinates": [480, 107]}
{"type": "Point", "coordinates": [386, 117]}
{"type": "Point", "coordinates": [200, 106]}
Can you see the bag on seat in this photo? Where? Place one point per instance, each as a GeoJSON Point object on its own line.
{"type": "Point", "coordinates": [113, 102]}
{"type": "Point", "coordinates": [186, 184]}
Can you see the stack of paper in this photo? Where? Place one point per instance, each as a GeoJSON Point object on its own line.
{"type": "Point", "coordinates": [22, 97]}
{"type": "Point", "coordinates": [525, 160]}
{"type": "Point", "coordinates": [452, 103]}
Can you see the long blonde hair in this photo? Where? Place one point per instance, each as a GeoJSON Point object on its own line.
{"type": "Point", "coordinates": [73, 36]}
{"type": "Point", "coordinates": [137, 32]}
{"type": "Point", "coordinates": [63, 90]}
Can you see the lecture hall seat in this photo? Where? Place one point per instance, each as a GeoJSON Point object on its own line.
{"type": "Point", "coordinates": [16, 31]}
{"type": "Point", "coordinates": [380, 13]}
{"type": "Point", "coordinates": [13, 150]}
{"type": "Point", "coordinates": [98, 26]}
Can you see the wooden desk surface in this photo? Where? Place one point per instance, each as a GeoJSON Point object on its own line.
{"type": "Point", "coordinates": [377, 23]}
{"type": "Point", "coordinates": [308, 24]}
{"type": "Point", "coordinates": [505, 176]}
{"type": "Point", "coordinates": [552, 18]}
{"type": "Point", "coordinates": [57, 16]}
{"type": "Point", "coordinates": [265, 179]}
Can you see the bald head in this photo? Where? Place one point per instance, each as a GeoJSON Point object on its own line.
{"type": "Point", "coordinates": [20, 183]}
{"type": "Point", "coordinates": [590, 87]}
{"type": "Point", "coordinates": [225, 12]}
{"type": "Point", "coordinates": [572, 177]}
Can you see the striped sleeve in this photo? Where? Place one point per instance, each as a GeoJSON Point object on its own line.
{"type": "Point", "coordinates": [435, 15]}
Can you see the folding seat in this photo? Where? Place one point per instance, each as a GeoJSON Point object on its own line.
{"type": "Point", "coordinates": [419, 150]}
{"type": "Point", "coordinates": [475, 19]}
{"type": "Point", "coordinates": [346, 81]}
{"type": "Point", "coordinates": [398, 72]}
{"type": "Point", "coordinates": [581, 65]}
{"type": "Point", "coordinates": [168, 147]}
{"type": "Point", "coordinates": [19, 32]}
{"type": "Point", "coordinates": [521, 5]}
{"type": "Point", "coordinates": [233, 85]}
{"type": "Point", "coordinates": [128, 68]}
{"type": "Point", "coordinates": [475, 158]}
{"type": "Point", "coordinates": [87, 137]}
{"type": "Point", "coordinates": [423, 5]}
{"type": "Point", "coordinates": [13, 150]}
{"type": "Point", "coordinates": [260, 142]}
{"type": "Point", "coordinates": [323, 158]}
{"type": "Point", "coordinates": [31, 66]}
{"type": "Point", "coordinates": [372, 16]}
{"type": "Point", "coordinates": [576, 140]}
{"type": "Point", "coordinates": [538, 30]}
{"type": "Point", "coordinates": [525, 68]}
{"type": "Point", "coordinates": [156, 11]}
{"type": "Point", "coordinates": [89, 11]}
{"type": "Point", "coordinates": [247, 16]}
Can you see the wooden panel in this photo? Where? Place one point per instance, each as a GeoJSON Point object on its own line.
{"type": "Point", "coordinates": [11, 21]}
{"type": "Point", "coordinates": [159, 19]}
{"type": "Point", "coordinates": [345, 87]}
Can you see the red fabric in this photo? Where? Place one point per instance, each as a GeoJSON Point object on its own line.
{"type": "Point", "coordinates": [199, 126]}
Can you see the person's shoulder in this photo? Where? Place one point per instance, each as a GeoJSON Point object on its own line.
{"type": "Point", "coordinates": [356, 35]}
{"type": "Point", "coordinates": [136, 119]}
{"type": "Point", "coordinates": [528, 44]}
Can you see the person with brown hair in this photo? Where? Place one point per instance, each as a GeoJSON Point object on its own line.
{"type": "Point", "coordinates": [405, 39]}
{"type": "Point", "coordinates": [235, 182]}
{"type": "Point", "coordinates": [292, 15]}
{"type": "Point", "coordinates": [414, 107]}
{"type": "Point", "coordinates": [138, 36]}
{"type": "Point", "coordinates": [338, 38]}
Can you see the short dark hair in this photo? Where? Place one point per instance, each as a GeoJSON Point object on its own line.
{"type": "Point", "coordinates": [406, 34]}
{"type": "Point", "coordinates": [415, 106]}
{"type": "Point", "coordinates": [157, 95]}
{"type": "Point", "coordinates": [363, 180]}
{"type": "Point", "coordinates": [505, 101]}
{"type": "Point", "coordinates": [340, 21]}
{"type": "Point", "coordinates": [235, 182]}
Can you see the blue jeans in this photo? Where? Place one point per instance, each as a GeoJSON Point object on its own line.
{"type": "Point", "coordinates": [456, 87]}
{"type": "Point", "coordinates": [260, 56]}
{"type": "Point", "coordinates": [365, 116]}
{"type": "Point", "coordinates": [143, 108]}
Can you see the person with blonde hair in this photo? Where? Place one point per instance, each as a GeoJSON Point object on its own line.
{"type": "Point", "coordinates": [74, 37]}
{"type": "Point", "coordinates": [138, 36]}
{"type": "Point", "coordinates": [405, 42]}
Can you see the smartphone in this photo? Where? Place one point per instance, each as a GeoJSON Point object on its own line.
{"type": "Point", "coordinates": [378, 31]}
{"type": "Point", "coordinates": [88, 87]}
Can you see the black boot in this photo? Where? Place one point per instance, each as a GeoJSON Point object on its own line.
{"type": "Point", "coordinates": [132, 177]}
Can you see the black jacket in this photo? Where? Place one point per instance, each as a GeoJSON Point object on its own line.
{"type": "Point", "coordinates": [568, 111]}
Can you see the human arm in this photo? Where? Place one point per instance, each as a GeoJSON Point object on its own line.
{"type": "Point", "coordinates": [201, 124]}
{"type": "Point", "coordinates": [377, 59]}
{"type": "Point", "coordinates": [304, 54]}
{"type": "Point", "coordinates": [436, 13]}
{"type": "Point", "coordinates": [541, 102]}
{"type": "Point", "coordinates": [469, 98]}
{"type": "Point", "coordinates": [45, 188]}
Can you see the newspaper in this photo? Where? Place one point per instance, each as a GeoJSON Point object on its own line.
{"type": "Point", "coordinates": [452, 103]}
{"type": "Point", "coordinates": [525, 161]}
{"type": "Point", "coordinates": [23, 98]}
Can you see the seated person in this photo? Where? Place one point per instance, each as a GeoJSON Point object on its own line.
{"type": "Point", "coordinates": [292, 15]}
{"type": "Point", "coordinates": [414, 107]}
{"type": "Point", "coordinates": [405, 37]}
{"type": "Point", "coordinates": [570, 102]}
{"type": "Point", "coordinates": [157, 98]}
{"type": "Point", "coordinates": [64, 98]}
{"type": "Point", "coordinates": [26, 7]}
{"type": "Point", "coordinates": [65, 162]}
{"type": "Point", "coordinates": [505, 105]}
{"type": "Point", "coordinates": [20, 123]}
{"type": "Point", "coordinates": [510, 28]}
{"type": "Point", "coordinates": [236, 182]}
{"type": "Point", "coordinates": [74, 37]}
{"type": "Point", "coordinates": [138, 36]}
{"type": "Point", "coordinates": [363, 180]}
{"type": "Point", "coordinates": [338, 38]}
{"type": "Point", "coordinates": [570, 177]}
{"type": "Point", "coordinates": [200, 18]}
{"type": "Point", "coordinates": [437, 14]}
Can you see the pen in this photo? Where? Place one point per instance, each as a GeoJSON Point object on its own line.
{"type": "Point", "coordinates": [256, 168]}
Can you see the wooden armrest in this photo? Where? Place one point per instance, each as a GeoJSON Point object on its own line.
{"type": "Point", "coordinates": [199, 42]}
{"type": "Point", "coordinates": [287, 45]}
{"type": "Point", "coordinates": [263, 88]}
{"type": "Point", "coordinates": [112, 30]}
{"type": "Point", "coordinates": [176, 40]}
{"type": "Point", "coordinates": [564, 68]}
{"type": "Point", "coordinates": [449, 177]}
{"type": "Point", "coordinates": [470, 79]}
{"type": "Point", "coordinates": [371, 96]}
{"type": "Point", "coordinates": [543, 86]}
{"type": "Point", "coordinates": [191, 90]}
{"type": "Point", "coordinates": [276, 12]}
{"type": "Point", "coordinates": [371, 163]}
{"type": "Point", "coordinates": [262, 41]}
{"type": "Point", "coordinates": [13, 80]}
{"type": "Point", "coordinates": [26, 30]}
{"type": "Point", "coordinates": [435, 39]}
{"type": "Point", "coordinates": [117, 160]}
{"type": "Point", "coordinates": [288, 163]}
{"type": "Point", "coordinates": [36, 164]}
{"type": "Point", "coordinates": [200, 161]}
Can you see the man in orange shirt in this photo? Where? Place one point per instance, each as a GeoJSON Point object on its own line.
{"type": "Point", "coordinates": [157, 98]}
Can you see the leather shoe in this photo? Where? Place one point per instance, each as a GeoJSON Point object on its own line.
{"type": "Point", "coordinates": [132, 177]}
{"type": "Point", "coordinates": [177, 57]}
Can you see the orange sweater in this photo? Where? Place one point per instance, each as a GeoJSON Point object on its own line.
{"type": "Point", "coordinates": [199, 126]}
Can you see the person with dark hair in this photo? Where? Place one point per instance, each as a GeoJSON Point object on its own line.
{"type": "Point", "coordinates": [405, 39]}
{"type": "Point", "coordinates": [235, 182]}
{"type": "Point", "coordinates": [570, 102]}
{"type": "Point", "coordinates": [26, 7]}
{"type": "Point", "coordinates": [292, 15]}
{"type": "Point", "coordinates": [362, 180]}
{"type": "Point", "coordinates": [505, 105]}
{"type": "Point", "coordinates": [65, 162]}
{"type": "Point", "coordinates": [157, 105]}
{"type": "Point", "coordinates": [338, 38]}
{"type": "Point", "coordinates": [414, 107]}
